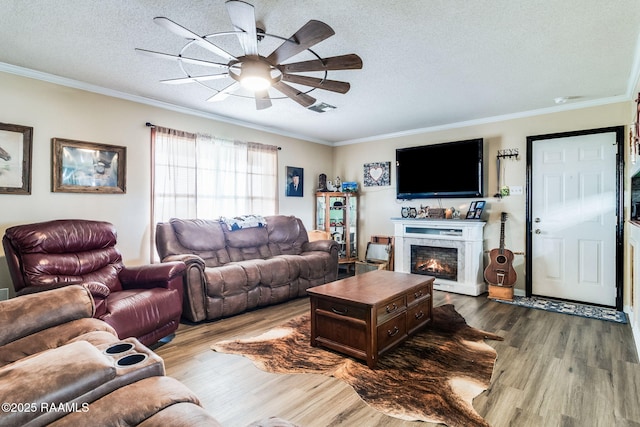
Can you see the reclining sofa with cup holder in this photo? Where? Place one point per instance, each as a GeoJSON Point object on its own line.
{"type": "Point", "coordinates": [59, 366]}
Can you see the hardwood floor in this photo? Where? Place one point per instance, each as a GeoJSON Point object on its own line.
{"type": "Point", "coordinates": [552, 370]}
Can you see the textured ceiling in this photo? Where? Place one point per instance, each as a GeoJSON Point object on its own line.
{"type": "Point", "coordinates": [427, 63]}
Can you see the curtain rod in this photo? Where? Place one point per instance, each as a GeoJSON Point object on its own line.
{"type": "Point", "coordinates": [151, 125]}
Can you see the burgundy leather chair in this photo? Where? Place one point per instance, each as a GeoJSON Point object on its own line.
{"type": "Point", "coordinates": [143, 302]}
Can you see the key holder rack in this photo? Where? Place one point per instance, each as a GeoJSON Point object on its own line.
{"type": "Point", "coordinates": [508, 153]}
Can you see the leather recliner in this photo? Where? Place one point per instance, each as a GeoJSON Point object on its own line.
{"type": "Point", "coordinates": [143, 302]}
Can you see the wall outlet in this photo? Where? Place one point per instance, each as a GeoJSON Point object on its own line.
{"type": "Point", "coordinates": [516, 190]}
{"type": "Point", "coordinates": [4, 294]}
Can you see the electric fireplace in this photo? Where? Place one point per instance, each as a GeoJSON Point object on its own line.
{"type": "Point", "coordinates": [433, 261]}
{"type": "Point", "coordinates": [448, 249]}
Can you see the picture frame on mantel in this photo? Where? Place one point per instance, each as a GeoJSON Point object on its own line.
{"type": "Point", "coordinates": [87, 167]}
{"type": "Point", "coordinates": [16, 146]}
{"type": "Point", "coordinates": [475, 209]}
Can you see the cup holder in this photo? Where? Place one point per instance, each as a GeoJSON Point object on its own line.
{"type": "Point", "coordinates": [131, 359]}
{"type": "Point", "coordinates": [119, 348]}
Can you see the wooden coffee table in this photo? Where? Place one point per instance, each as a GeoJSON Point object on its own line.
{"type": "Point", "coordinates": [366, 315]}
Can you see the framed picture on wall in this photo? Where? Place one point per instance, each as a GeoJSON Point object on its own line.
{"type": "Point", "coordinates": [295, 181]}
{"type": "Point", "coordinates": [15, 158]}
{"type": "Point", "coordinates": [377, 174]}
{"type": "Point", "coordinates": [86, 167]}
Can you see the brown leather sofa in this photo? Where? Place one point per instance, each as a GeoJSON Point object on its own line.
{"type": "Point", "coordinates": [232, 271]}
{"type": "Point", "coordinates": [62, 367]}
{"type": "Point", "coordinates": [143, 302]}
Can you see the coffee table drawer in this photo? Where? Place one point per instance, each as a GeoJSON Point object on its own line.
{"type": "Point", "coordinates": [419, 293]}
{"type": "Point", "coordinates": [392, 331]}
{"type": "Point", "coordinates": [393, 308]}
{"type": "Point", "coordinates": [419, 315]}
{"type": "Point", "coordinates": [342, 309]}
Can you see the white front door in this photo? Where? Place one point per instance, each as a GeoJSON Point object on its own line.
{"type": "Point", "coordinates": [573, 214]}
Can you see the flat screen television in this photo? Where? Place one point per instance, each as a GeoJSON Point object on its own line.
{"type": "Point", "coordinates": [447, 170]}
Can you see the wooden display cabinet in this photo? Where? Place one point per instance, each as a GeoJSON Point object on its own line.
{"type": "Point", "coordinates": [337, 214]}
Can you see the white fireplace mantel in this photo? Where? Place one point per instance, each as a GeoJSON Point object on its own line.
{"type": "Point", "coordinates": [463, 234]}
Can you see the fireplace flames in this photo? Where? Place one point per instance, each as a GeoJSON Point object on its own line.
{"type": "Point", "coordinates": [434, 266]}
{"type": "Point", "coordinates": [438, 262]}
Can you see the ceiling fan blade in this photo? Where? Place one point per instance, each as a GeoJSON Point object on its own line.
{"type": "Point", "coordinates": [243, 19]}
{"type": "Point", "coordinates": [301, 98]}
{"type": "Point", "coordinates": [262, 99]}
{"type": "Point", "coordinates": [224, 93]}
{"type": "Point", "coordinates": [181, 58]}
{"type": "Point", "coordinates": [332, 85]}
{"type": "Point", "coordinates": [194, 79]}
{"type": "Point", "coordinates": [342, 62]}
{"type": "Point", "coordinates": [309, 34]}
{"type": "Point", "coordinates": [188, 34]}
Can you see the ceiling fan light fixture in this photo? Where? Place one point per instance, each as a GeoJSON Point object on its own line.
{"type": "Point", "coordinates": [255, 76]}
{"type": "Point", "coordinates": [257, 73]}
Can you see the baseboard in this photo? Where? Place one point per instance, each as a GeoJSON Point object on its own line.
{"type": "Point", "coordinates": [635, 329]}
{"type": "Point", "coordinates": [460, 288]}
{"type": "Point", "coordinates": [636, 339]}
{"type": "Point", "coordinates": [4, 294]}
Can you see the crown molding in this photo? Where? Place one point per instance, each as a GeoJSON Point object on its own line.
{"type": "Point", "coordinates": [493, 119]}
{"type": "Point", "coordinates": [634, 80]}
{"type": "Point", "coordinates": [64, 81]}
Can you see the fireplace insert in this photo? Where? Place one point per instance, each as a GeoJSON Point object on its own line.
{"type": "Point", "coordinates": [433, 261]}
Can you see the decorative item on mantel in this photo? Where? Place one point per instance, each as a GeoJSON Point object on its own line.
{"type": "Point", "coordinates": [429, 212]}
{"type": "Point", "coordinates": [475, 209]}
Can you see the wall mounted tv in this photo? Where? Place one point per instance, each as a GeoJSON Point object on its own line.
{"type": "Point", "coordinates": [447, 170]}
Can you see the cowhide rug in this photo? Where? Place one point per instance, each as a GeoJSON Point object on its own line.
{"type": "Point", "coordinates": [432, 377]}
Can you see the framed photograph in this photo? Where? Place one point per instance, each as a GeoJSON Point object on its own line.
{"type": "Point", "coordinates": [87, 167]}
{"type": "Point", "coordinates": [16, 145]}
{"type": "Point", "coordinates": [295, 181]}
{"type": "Point", "coordinates": [475, 209]}
{"type": "Point", "coordinates": [377, 174]}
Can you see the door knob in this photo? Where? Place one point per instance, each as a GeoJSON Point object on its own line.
{"type": "Point", "coordinates": [538, 231]}
{"type": "Point", "coordinates": [537, 220]}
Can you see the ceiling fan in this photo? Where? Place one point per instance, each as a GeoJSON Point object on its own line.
{"type": "Point", "coordinates": [255, 72]}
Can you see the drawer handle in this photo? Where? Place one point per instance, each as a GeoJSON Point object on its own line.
{"type": "Point", "coordinates": [390, 309]}
{"type": "Point", "coordinates": [394, 332]}
{"type": "Point", "coordinates": [419, 315]}
{"type": "Point", "coordinates": [342, 312]}
{"type": "Point", "coordinates": [417, 294]}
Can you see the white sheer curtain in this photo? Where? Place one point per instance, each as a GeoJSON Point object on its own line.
{"type": "Point", "coordinates": [173, 174]}
{"type": "Point", "coordinates": [201, 176]}
{"type": "Point", "coordinates": [235, 178]}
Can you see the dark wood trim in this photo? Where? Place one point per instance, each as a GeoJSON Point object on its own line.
{"type": "Point", "coordinates": [619, 131]}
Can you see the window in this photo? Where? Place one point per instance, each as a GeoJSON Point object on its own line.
{"type": "Point", "coordinates": [200, 176]}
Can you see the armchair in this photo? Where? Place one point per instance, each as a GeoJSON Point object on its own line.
{"type": "Point", "coordinates": [143, 302]}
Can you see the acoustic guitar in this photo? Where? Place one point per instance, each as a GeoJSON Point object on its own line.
{"type": "Point", "coordinates": [500, 270]}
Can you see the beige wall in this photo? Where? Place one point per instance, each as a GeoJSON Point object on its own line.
{"type": "Point", "coordinates": [58, 111]}
{"type": "Point", "coordinates": [63, 112]}
{"type": "Point", "coordinates": [378, 204]}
